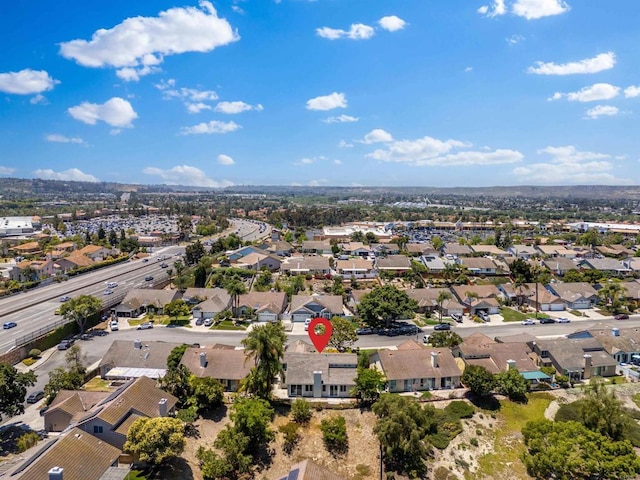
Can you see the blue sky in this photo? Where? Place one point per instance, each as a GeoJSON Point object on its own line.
{"type": "Point", "coordinates": [325, 92]}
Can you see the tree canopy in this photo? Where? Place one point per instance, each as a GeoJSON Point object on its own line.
{"type": "Point", "coordinates": [155, 440]}
{"type": "Point", "coordinates": [478, 380]}
{"type": "Point", "coordinates": [13, 389]}
{"type": "Point", "coordinates": [369, 383]}
{"type": "Point", "coordinates": [80, 309]}
{"type": "Point", "coordinates": [382, 305]}
{"type": "Point", "coordinates": [343, 335]}
{"type": "Point", "coordinates": [265, 346]}
{"type": "Point", "coordinates": [512, 384]}
{"type": "Point", "coordinates": [445, 339]}
{"type": "Point", "coordinates": [177, 308]}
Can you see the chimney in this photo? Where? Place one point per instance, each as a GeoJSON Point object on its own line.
{"type": "Point", "coordinates": [587, 366]}
{"type": "Point", "coordinates": [615, 332]}
{"type": "Point", "coordinates": [511, 364]}
{"type": "Point", "coordinates": [434, 359]}
{"type": "Point", "coordinates": [55, 473]}
{"type": "Point", "coordinates": [162, 407]}
{"type": "Point", "coordinates": [203, 359]}
{"type": "Point", "coordinates": [137, 344]}
{"type": "Point", "coordinates": [317, 384]}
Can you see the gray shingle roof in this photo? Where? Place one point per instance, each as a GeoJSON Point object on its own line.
{"type": "Point", "coordinates": [336, 368]}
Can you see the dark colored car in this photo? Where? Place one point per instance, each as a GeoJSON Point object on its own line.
{"type": "Point", "coordinates": [199, 321]}
{"type": "Point", "coordinates": [35, 397]}
{"type": "Point", "coordinates": [65, 344]}
{"type": "Point", "coordinates": [547, 320]}
{"type": "Point", "coordinates": [148, 278]}
{"type": "Point", "coordinates": [621, 316]}
{"type": "Point", "coordinates": [442, 326]}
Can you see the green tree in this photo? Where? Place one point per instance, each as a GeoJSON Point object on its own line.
{"type": "Point", "coordinates": [343, 335]}
{"type": "Point", "coordinates": [570, 451]}
{"type": "Point", "coordinates": [403, 428]}
{"type": "Point", "coordinates": [13, 389]}
{"type": "Point", "coordinates": [369, 382]}
{"type": "Point", "coordinates": [175, 356]}
{"type": "Point", "coordinates": [155, 440]}
{"type": "Point", "coordinates": [79, 309]}
{"type": "Point", "coordinates": [185, 227]}
{"type": "Point", "coordinates": [478, 380]}
{"type": "Point", "coordinates": [602, 412]}
{"type": "Point", "coordinates": [382, 305]}
{"type": "Point", "coordinates": [520, 268]}
{"type": "Point", "coordinates": [252, 417]}
{"type": "Point", "coordinates": [176, 308]}
{"type": "Point", "coordinates": [445, 339]}
{"type": "Point", "coordinates": [199, 276]}
{"type": "Point", "coordinates": [442, 296]}
{"type": "Point", "coordinates": [334, 434]}
{"type": "Point", "coordinates": [611, 294]}
{"type": "Point", "coordinates": [234, 461]}
{"type": "Point", "coordinates": [512, 384]}
{"type": "Point", "coordinates": [177, 381]}
{"type": "Point", "coordinates": [113, 238]}
{"type": "Point", "coordinates": [235, 288]}
{"type": "Point", "coordinates": [194, 252]}
{"type": "Point", "coordinates": [70, 377]}
{"type": "Point", "coordinates": [265, 345]}
{"type": "Point", "coordinates": [206, 393]}
{"type": "Point", "coordinates": [301, 411]}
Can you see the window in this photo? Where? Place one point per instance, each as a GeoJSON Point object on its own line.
{"type": "Point", "coordinates": [308, 388]}
{"type": "Point", "coordinates": [97, 429]}
{"type": "Point", "coordinates": [343, 388]}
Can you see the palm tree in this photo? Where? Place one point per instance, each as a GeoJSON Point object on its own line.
{"type": "Point", "coordinates": [518, 284]}
{"type": "Point", "coordinates": [611, 294]}
{"type": "Point", "coordinates": [265, 345]}
{"type": "Point", "coordinates": [235, 288]}
{"type": "Point", "coordinates": [442, 296]}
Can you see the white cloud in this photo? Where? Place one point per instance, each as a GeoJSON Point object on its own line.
{"type": "Point", "coordinates": [139, 44]}
{"type": "Point", "coordinates": [317, 183]}
{"type": "Point", "coordinates": [185, 175]}
{"type": "Point", "coordinates": [429, 151]}
{"type": "Point", "coordinates": [496, 9]}
{"type": "Point", "coordinates": [116, 112]}
{"type": "Point", "coordinates": [514, 39]}
{"type": "Point", "coordinates": [328, 102]}
{"type": "Point", "coordinates": [72, 174]}
{"type": "Point", "coordinates": [392, 23]}
{"type": "Point", "coordinates": [603, 61]}
{"type": "Point", "coordinates": [192, 98]}
{"type": "Point", "coordinates": [568, 165]}
{"type": "Point", "coordinates": [468, 69]}
{"type": "Point", "coordinates": [236, 107]}
{"type": "Point", "coordinates": [344, 144]}
{"type": "Point", "coordinates": [358, 31]}
{"type": "Point", "coordinates": [26, 82]}
{"type": "Point", "coordinates": [214, 126]}
{"type": "Point", "coordinates": [632, 91]}
{"type": "Point", "coordinates": [377, 135]}
{"type": "Point", "coordinates": [115, 131]}
{"type": "Point", "coordinates": [225, 160]}
{"type": "Point", "coordinates": [602, 110]}
{"type": "Point", "coordinates": [39, 99]}
{"type": "Point", "coordinates": [56, 138]}
{"type": "Point", "coordinates": [6, 170]}
{"type": "Point", "coordinates": [534, 9]}
{"type": "Point", "coordinates": [237, 9]}
{"type": "Point", "coordinates": [197, 107]}
{"type": "Point", "coordinates": [341, 119]}
{"type": "Point", "coordinates": [337, 162]}
{"type": "Point", "coordinates": [593, 93]}
{"type": "Point", "coordinates": [306, 161]}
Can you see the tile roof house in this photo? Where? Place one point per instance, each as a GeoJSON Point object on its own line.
{"type": "Point", "coordinates": [356, 249]}
{"type": "Point", "coordinates": [355, 267]}
{"type": "Point", "coordinates": [393, 264]}
{"type": "Point", "coordinates": [478, 297]}
{"type": "Point", "coordinates": [97, 253]}
{"type": "Point", "coordinates": [324, 375]}
{"type": "Point", "coordinates": [216, 303]}
{"type": "Point", "coordinates": [457, 250]}
{"type": "Point", "coordinates": [631, 290]}
{"type": "Point", "coordinates": [488, 250]}
{"type": "Point", "coordinates": [267, 306]}
{"type": "Point", "coordinates": [303, 307]}
{"type": "Point", "coordinates": [280, 248]}
{"type": "Point", "coordinates": [148, 358]}
{"type": "Point", "coordinates": [79, 455]}
{"type": "Point", "coordinates": [195, 295]}
{"type": "Point", "coordinates": [73, 261]}
{"type": "Point", "coordinates": [523, 251]}
{"type": "Point", "coordinates": [306, 264]}
{"type": "Point", "coordinates": [224, 363]}
{"type": "Point", "coordinates": [309, 470]}
{"type": "Point", "coordinates": [110, 419]}
{"type": "Point", "coordinates": [619, 251]}
{"type": "Point", "coordinates": [417, 368]}
{"type": "Point", "coordinates": [578, 359]}
{"type": "Point", "coordinates": [532, 295]}
{"type": "Point", "coordinates": [140, 300]}
{"type": "Point", "coordinates": [418, 249]}
{"type": "Point", "coordinates": [575, 295]}
{"type": "Point", "coordinates": [478, 349]}
{"type": "Point", "coordinates": [32, 270]}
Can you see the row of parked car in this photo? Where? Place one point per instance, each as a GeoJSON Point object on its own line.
{"type": "Point", "coordinates": [396, 329]}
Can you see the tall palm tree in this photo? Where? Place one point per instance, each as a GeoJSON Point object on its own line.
{"type": "Point", "coordinates": [235, 288]}
{"type": "Point", "coordinates": [611, 294]}
{"type": "Point", "coordinates": [265, 345]}
{"type": "Point", "coordinates": [442, 296]}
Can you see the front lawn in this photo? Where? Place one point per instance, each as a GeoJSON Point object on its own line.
{"type": "Point", "coordinates": [161, 320]}
{"type": "Point", "coordinates": [511, 315]}
{"type": "Point", "coordinates": [228, 325]}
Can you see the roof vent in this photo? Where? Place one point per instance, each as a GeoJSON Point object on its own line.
{"type": "Point", "coordinates": [55, 473]}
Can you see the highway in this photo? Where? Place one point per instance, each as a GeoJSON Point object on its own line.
{"type": "Point", "coordinates": [35, 309]}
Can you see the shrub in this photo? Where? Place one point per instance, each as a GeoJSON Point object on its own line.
{"type": "Point", "coordinates": [29, 361]}
{"type": "Point", "coordinates": [188, 415]}
{"type": "Point", "coordinates": [34, 353]}
{"type": "Point", "coordinates": [301, 411]}
{"type": "Point", "coordinates": [474, 441]}
{"type": "Point", "coordinates": [334, 434]}
{"type": "Point", "coordinates": [290, 435]}
{"type": "Point", "coordinates": [460, 409]}
{"type": "Point", "coordinates": [27, 440]}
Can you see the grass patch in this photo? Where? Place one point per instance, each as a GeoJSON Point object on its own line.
{"type": "Point", "coordinates": [136, 475]}
{"type": "Point", "coordinates": [96, 384]}
{"type": "Point", "coordinates": [228, 325]}
{"type": "Point", "coordinates": [636, 399]}
{"type": "Point", "coordinates": [29, 361]}
{"type": "Point", "coordinates": [511, 315]}
{"type": "Point", "coordinates": [509, 446]}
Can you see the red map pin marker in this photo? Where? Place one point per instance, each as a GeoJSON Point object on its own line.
{"type": "Point", "coordinates": [320, 340]}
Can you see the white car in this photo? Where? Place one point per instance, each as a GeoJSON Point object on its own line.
{"type": "Point", "coordinates": [113, 326]}
{"type": "Point", "coordinates": [563, 320]}
{"type": "Point", "coordinates": [528, 321]}
{"type": "Point", "coordinates": [108, 292]}
{"type": "Point", "coordinates": [112, 285]}
{"type": "Point", "coordinates": [306, 324]}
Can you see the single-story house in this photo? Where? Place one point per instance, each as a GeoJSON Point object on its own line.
{"type": "Point", "coordinates": [433, 262]}
{"type": "Point", "coordinates": [559, 265]}
{"type": "Point", "coordinates": [427, 298]}
{"type": "Point", "coordinates": [324, 375]}
{"type": "Point", "coordinates": [395, 264]}
{"type": "Point", "coordinates": [523, 251]}
{"type": "Point", "coordinates": [97, 253]}
{"type": "Point", "coordinates": [142, 300]}
{"type": "Point", "coordinates": [457, 250]}
{"type": "Point", "coordinates": [621, 343]}
{"type": "Point", "coordinates": [356, 249]}
{"type": "Point", "coordinates": [479, 265]}
{"type": "Point", "coordinates": [69, 407]}
{"type": "Point", "coordinates": [575, 295]}
{"type": "Point", "coordinates": [222, 362]}
{"type": "Point", "coordinates": [479, 349]}
{"type": "Point", "coordinates": [267, 306]}
{"type": "Point", "coordinates": [136, 358]}
{"type": "Point", "coordinates": [417, 368]}
{"type": "Point", "coordinates": [303, 307]}
{"type": "Point", "coordinates": [607, 265]}
{"type": "Point", "coordinates": [488, 250]}
{"type": "Point", "coordinates": [316, 246]}
{"type": "Point", "coordinates": [578, 359]}
{"type": "Point", "coordinates": [258, 261]}
{"type": "Point", "coordinates": [280, 248]}
{"type": "Point", "coordinates": [468, 295]}
{"type": "Point", "coordinates": [355, 267]}
{"type": "Point", "coordinates": [308, 264]}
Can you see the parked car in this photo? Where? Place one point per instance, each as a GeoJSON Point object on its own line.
{"type": "Point", "coordinates": [199, 321]}
{"type": "Point", "coordinates": [35, 397]}
{"type": "Point", "coordinates": [65, 344]}
{"type": "Point", "coordinates": [144, 326]}
{"type": "Point", "coordinates": [208, 322]}
{"type": "Point", "coordinates": [456, 317]}
{"type": "Point", "coordinates": [484, 316]}
{"type": "Point", "coordinates": [621, 316]}
{"type": "Point", "coordinates": [113, 325]}
{"type": "Point", "coordinates": [65, 298]}
{"type": "Point", "coordinates": [8, 325]}
{"type": "Point", "coordinates": [306, 324]}
{"type": "Point", "coordinates": [563, 320]}
{"type": "Point", "coordinates": [442, 326]}
{"type": "Point", "coordinates": [528, 321]}
{"type": "Point", "coordinates": [364, 331]}
{"type": "Point", "coordinates": [547, 320]}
